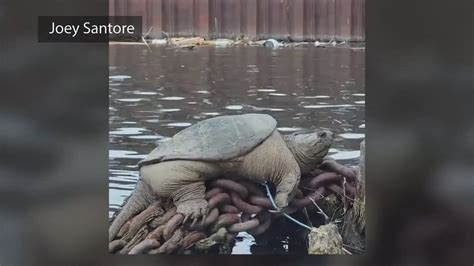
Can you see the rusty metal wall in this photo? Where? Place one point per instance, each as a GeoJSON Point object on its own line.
{"type": "Point", "coordinates": [342, 20]}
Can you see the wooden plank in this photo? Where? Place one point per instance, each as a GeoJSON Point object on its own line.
{"type": "Point", "coordinates": [168, 17]}
{"type": "Point", "coordinates": [156, 18]}
{"type": "Point", "coordinates": [112, 4]}
{"type": "Point", "coordinates": [215, 23]}
{"type": "Point", "coordinates": [358, 20]}
{"type": "Point", "coordinates": [296, 21]}
{"type": "Point", "coordinates": [343, 16]}
{"type": "Point", "coordinates": [262, 19]}
{"type": "Point", "coordinates": [248, 15]}
{"type": "Point", "coordinates": [202, 18]}
{"type": "Point", "coordinates": [278, 18]}
{"type": "Point", "coordinates": [321, 20]}
{"type": "Point", "coordinates": [138, 8]}
{"type": "Point", "coordinates": [310, 17]}
{"type": "Point", "coordinates": [123, 7]}
{"type": "Point", "coordinates": [183, 19]}
{"type": "Point", "coordinates": [331, 19]}
{"type": "Point", "coordinates": [230, 18]}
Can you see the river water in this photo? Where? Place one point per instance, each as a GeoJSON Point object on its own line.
{"type": "Point", "coordinates": [155, 92]}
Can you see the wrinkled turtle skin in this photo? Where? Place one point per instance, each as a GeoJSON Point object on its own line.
{"type": "Point", "coordinates": [235, 146]}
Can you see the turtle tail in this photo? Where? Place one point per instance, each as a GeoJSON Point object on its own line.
{"type": "Point", "coordinates": [138, 201]}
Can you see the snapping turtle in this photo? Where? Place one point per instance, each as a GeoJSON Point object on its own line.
{"type": "Point", "coordinates": [236, 146]}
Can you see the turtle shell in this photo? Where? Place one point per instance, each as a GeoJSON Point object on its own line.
{"type": "Point", "coordinates": [215, 139]}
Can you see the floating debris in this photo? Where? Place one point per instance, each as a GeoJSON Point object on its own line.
{"type": "Point", "coordinates": [272, 43]}
{"type": "Point", "coordinates": [222, 42]}
{"type": "Point", "coordinates": [159, 41]}
{"type": "Point", "coordinates": [192, 42]}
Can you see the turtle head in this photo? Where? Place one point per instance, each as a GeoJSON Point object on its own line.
{"type": "Point", "coordinates": [309, 147]}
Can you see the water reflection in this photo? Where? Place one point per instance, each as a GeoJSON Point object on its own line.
{"type": "Point", "coordinates": [156, 92]}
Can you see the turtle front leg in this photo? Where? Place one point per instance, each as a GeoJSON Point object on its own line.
{"type": "Point", "coordinates": [190, 201]}
{"type": "Point", "coordinates": [284, 188]}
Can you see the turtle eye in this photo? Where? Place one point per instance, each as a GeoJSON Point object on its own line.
{"type": "Point", "coordinates": [322, 134]}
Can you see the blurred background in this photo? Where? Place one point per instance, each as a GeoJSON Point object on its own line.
{"type": "Point", "coordinates": [420, 148]}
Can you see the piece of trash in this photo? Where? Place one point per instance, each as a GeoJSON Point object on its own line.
{"type": "Point", "coordinates": [223, 42]}
{"type": "Point", "coordinates": [193, 42]}
{"type": "Point", "coordinates": [320, 44]}
{"type": "Point", "coordinates": [159, 41]}
{"type": "Point", "coordinates": [272, 43]}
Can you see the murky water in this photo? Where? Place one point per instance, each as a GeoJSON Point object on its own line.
{"type": "Point", "coordinates": [156, 92]}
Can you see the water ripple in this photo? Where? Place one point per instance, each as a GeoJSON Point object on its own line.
{"type": "Point", "coordinates": [234, 107]}
{"type": "Point", "coordinates": [173, 98]}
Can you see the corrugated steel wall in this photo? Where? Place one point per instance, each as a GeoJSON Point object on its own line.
{"type": "Point", "coordinates": [342, 20]}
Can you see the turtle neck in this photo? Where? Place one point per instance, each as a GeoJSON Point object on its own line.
{"type": "Point", "coordinates": [304, 161]}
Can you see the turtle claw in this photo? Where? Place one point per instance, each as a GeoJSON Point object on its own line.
{"type": "Point", "coordinates": [203, 219]}
{"type": "Point", "coordinates": [186, 217]}
{"type": "Point", "coordinates": [194, 222]}
{"type": "Point", "coordinates": [192, 209]}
